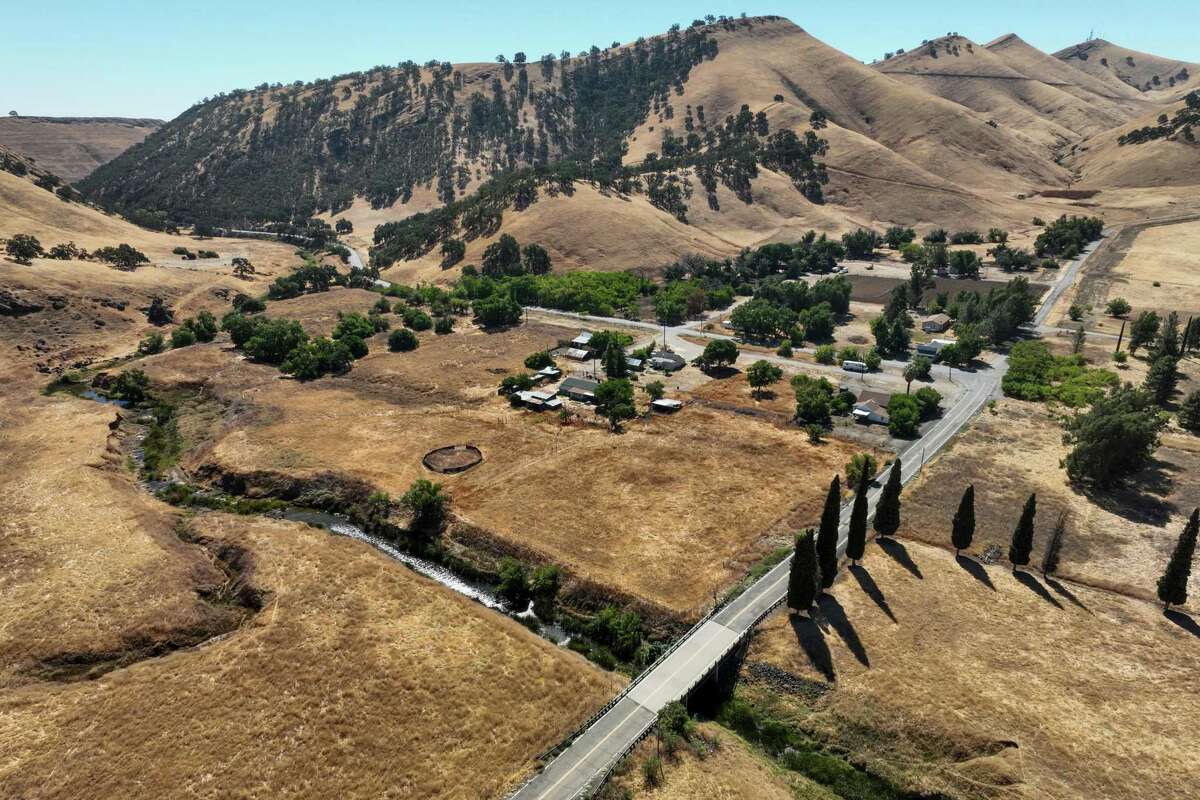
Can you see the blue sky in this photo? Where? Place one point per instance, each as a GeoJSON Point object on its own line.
{"type": "Point", "coordinates": [154, 59]}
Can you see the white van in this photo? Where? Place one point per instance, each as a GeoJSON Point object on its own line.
{"type": "Point", "coordinates": [854, 366]}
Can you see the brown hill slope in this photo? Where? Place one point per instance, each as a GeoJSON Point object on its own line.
{"type": "Point", "coordinates": [1170, 161]}
{"type": "Point", "coordinates": [1041, 113]}
{"type": "Point", "coordinates": [928, 136]}
{"type": "Point", "coordinates": [1162, 79]}
{"type": "Point", "coordinates": [71, 147]}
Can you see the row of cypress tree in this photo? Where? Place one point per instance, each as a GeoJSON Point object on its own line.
{"type": "Point", "coordinates": [815, 560]}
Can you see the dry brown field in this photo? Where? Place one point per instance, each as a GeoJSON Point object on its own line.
{"type": "Point", "coordinates": [233, 656]}
{"type": "Point", "coordinates": [979, 685]}
{"type": "Point", "coordinates": [1119, 539]}
{"type": "Point", "coordinates": [660, 512]}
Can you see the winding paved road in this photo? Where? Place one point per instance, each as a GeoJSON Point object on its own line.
{"type": "Point", "coordinates": [585, 763]}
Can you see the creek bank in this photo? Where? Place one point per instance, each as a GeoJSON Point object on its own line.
{"type": "Point", "coordinates": [227, 604]}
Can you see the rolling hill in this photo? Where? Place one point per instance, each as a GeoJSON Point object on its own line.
{"type": "Point", "coordinates": [706, 139]}
{"type": "Point", "coordinates": [1162, 79]}
{"type": "Point", "coordinates": [71, 147]}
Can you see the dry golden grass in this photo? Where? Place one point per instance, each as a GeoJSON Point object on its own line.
{"type": "Point", "coordinates": [90, 561]}
{"type": "Point", "coordinates": [1161, 163]}
{"type": "Point", "coordinates": [1169, 256]}
{"type": "Point", "coordinates": [732, 771]}
{"type": "Point", "coordinates": [660, 512]}
{"type": "Point", "coordinates": [1119, 539]}
{"type": "Point", "coordinates": [951, 685]}
{"type": "Point", "coordinates": [973, 76]}
{"type": "Point", "coordinates": [71, 148]}
{"type": "Point", "coordinates": [1120, 66]}
{"type": "Point", "coordinates": [357, 678]}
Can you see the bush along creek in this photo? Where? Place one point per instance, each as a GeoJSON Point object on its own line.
{"type": "Point", "coordinates": [409, 529]}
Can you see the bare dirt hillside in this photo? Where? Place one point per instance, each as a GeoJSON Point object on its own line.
{"type": "Point", "coordinates": [1042, 113]}
{"type": "Point", "coordinates": [1159, 78]}
{"type": "Point", "coordinates": [1166, 162]}
{"type": "Point", "coordinates": [71, 147]}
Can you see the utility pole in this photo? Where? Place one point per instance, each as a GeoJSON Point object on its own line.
{"type": "Point", "coordinates": [1120, 337]}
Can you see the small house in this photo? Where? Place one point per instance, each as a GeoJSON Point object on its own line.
{"type": "Point", "coordinates": [938, 323]}
{"type": "Point", "coordinates": [579, 389]}
{"type": "Point", "coordinates": [578, 354]}
{"type": "Point", "coordinates": [539, 401]}
{"type": "Point", "coordinates": [933, 348]}
{"type": "Point", "coordinates": [666, 361]}
{"type": "Point", "coordinates": [547, 374]}
{"type": "Point", "coordinates": [870, 412]}
{"type": "Point", "coordinates": [666, 405]}
{"type": "Point", "coordinates": [635, 364]}
{"type": "Point", "coordinates": [583, 340]}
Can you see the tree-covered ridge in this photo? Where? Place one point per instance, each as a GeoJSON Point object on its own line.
{"type": "Point", "coordinates": [284, 153]}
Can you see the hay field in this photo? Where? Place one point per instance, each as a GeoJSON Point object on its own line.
{"type": "Point", "coordinates": [947, 684]}
{"type": "Point", "coordinates": [1120, 539]}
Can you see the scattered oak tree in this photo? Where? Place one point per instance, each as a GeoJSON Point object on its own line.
{"type": "Point", "coordinates": [614, 401]}
{"type": "Point", "coordinates": [761, 374]}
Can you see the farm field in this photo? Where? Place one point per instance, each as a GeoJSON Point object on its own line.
{"type": "Point", "coordinates": [979, 685]}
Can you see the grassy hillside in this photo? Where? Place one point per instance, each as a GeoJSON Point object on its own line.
{"type": "Point", "coordinates": [71, 147]}
{"type": "Point", "coordinates": [1160, 78]}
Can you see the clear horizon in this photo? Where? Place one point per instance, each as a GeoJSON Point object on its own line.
{"type": "Point", "coordinates": [141, 59]}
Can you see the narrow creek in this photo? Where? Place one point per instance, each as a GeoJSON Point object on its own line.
{"type": "Point", "coordinates": [341, 526]}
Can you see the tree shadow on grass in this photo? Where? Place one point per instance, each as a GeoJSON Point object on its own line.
{"type": "Point", "coordinates": [1184, 621]}
{"type": "Point", "coordinates": [1035, 586]}
{"type": "Point", "coordinates": [872, 590]}
{"type": "Point", "coordinates": [833, 612]}
{"type": "Point", "coordinates": [899, 554]}
{"type": "Point", "coordinates": [1142, 497]}
{"type": "Point", "coordinates": [1062, 590]}
{"type": "Point", "coordinates": [812, 641]}
{"type": "Point", "coordinates": [975, 570]}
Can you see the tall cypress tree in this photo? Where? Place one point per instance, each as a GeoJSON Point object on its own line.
{"type": "Point", "coordinates": [1054, 546]}
{"type": "Point", "coordinates": [963, 530]}
{"type": "Point", "coordinates": [856, 542]}
{"type": "Point", "coordinates": [887, 512]}
{"type": "Point", "coordinates": [1172, 586]}
{"type": "Point", "coordinates": [803, 579]}
{"type": "Point", "coordinates": [1022, 538]}
{"type": "Point", "coordinates": [827, 535]}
